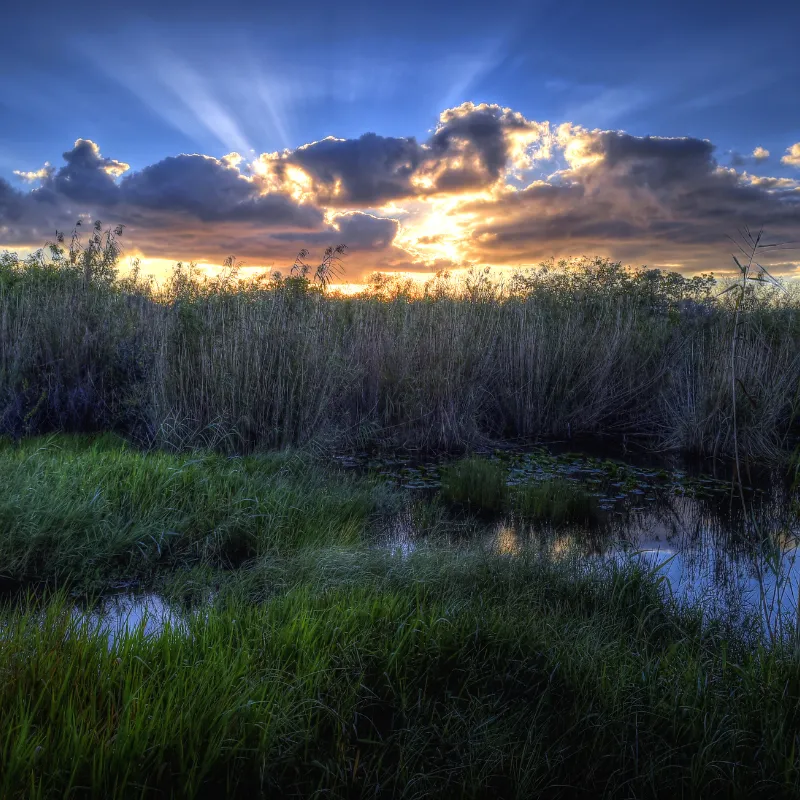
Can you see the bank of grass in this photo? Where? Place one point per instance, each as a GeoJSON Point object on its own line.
{"type": "Point", "coordinates": [92, 511]}
{"type": "Point", "coordinates": [447, 674]}
{"type": "Point", "coordinates": [592, 348]}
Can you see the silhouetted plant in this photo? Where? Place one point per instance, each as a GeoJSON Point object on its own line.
{"type": "Point", "coordinates": [98, 258]}
{"type": "Point", "coordinates": [324, 273]}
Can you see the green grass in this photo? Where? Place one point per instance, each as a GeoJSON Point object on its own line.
{"type": "Point", "coordinates": [555, 500]}
{"type": "Point", "coordinates": [311, 664]}
{"type": "Point", "coordinates": [481, 484]}
{"type": "Point", "coordinates": [94, 511]}
{"type": "Point", "coordinates": [445, 675]}
{"type": "Point", "coordinates": [476, 482]}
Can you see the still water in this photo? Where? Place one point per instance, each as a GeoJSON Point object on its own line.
{"type": "Point", "coordinates": [735, 555]}
{"type": "Point", "coordinates": [709, 547]}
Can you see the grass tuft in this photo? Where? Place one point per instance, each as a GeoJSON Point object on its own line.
{"type": "Point", "coordinates": [478, 483]}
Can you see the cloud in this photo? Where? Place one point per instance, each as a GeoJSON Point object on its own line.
{"type": "Point", "coordinates": [185, 206]}
{"type": "Point", "coordinates": [211, 190]}
{"type": "Point", "coordinates": [11, 203]}
{"type": "Point", "coordinates": [792, 155]}
{"type": "Point", "coordinates": [760, 153]}
{"type": "Point", "coordinates": [646, 198]}
{"type": "Point", "coordinates": [487, 186]}
{"type": "Point", "coordinates": [472, 146]}
{"type": "Point", "coordinates": [87, 176]}
{"type": "Point", "coordinates": [469, 149]}
{"type": "Point", "coordinates": [34, 176]}
{"type": "Point", "coordinates": [370, 170]}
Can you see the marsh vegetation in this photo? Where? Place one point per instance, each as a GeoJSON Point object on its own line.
{"type": "Point", "coordinates": [240, 366]}
{"type": "Point", "coordinates": [304, 651]}
{"type": "Point", "coordinates": [257, 539]}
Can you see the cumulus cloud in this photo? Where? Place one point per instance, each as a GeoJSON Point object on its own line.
{"type": "Point", "coordinates": [486, 186]}
{"type": "Point", "coordinates": [792, 155]}
{"type": "Point", "coordinates": [650, 198]}
{"type": "Point", "coordinates": [470, 148]}
{"type": "Point", "coordinates": [87, 176]}
{"type": "Point", "coordinates": [370, 170]}
{"type": "Point", "coordinates": [210, 190]}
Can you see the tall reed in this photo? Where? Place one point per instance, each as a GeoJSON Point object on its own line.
{"type": "Point", "coordinates": [240, 366]}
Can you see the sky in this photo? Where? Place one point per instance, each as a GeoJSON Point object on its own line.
{"type": "Point", "coordinates": [422, 135]}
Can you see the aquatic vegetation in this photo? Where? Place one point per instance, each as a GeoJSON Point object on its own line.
{"type": "Point", "coordinates": [556, 500]}
{"type": "Point", "coordinates": [478, 483]}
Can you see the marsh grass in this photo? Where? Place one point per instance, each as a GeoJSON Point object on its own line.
{"type": "Point", "coordinates": [555, 500]}
{"type": "Point", "coordinates": [91, 510]}
{"type": "Point", "coordinates": [320, 665]}
{"type": "Point", "coordinates": [441, 675]}
{"type": "Point", "coordinates": [481, 484]}
{"type": "Point", "coordinates": [245, 366]}
{"type": "Point", "coordinates": [477, 483]}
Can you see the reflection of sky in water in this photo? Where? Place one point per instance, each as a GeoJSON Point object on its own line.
{"type": "Point", "coordinates": [124, 614]}
{"type": "Point", "coordinates": [738, 587]}
{"type": "Point", "coordinates": [697, 546]}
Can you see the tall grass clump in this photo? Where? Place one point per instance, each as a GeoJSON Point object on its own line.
{"type": "Point", "coordinates": [563, 350]}
{"type": "Point", "coordinates": [555, 500]}
{"type": "Point", "coordinates": [91, 512]}
{"type": "Point", "coordinates": [478, 483]}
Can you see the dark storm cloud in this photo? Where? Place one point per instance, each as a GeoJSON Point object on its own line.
{"type": "Point", "coordinates": [371, 169]}
{"type": "Point", "coordinates": [210, 190]}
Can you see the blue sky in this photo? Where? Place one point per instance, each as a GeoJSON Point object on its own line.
{"type": "Point", "coordinates": [160, 79]}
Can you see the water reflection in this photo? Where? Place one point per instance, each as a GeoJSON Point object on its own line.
{"type": "Point", "coordinates": [121, 615]}
{"type": "Point", "coordinates": [506, 541]}
{"type": "Point", "coordinates": [703, 551]}
{"type": "Point", "coordinates": [704, 547]}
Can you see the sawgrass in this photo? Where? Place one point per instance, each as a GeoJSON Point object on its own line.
{"type": "Point", "coordinates": [595, 349]}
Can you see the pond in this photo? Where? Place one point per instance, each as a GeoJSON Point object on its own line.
{"type": "Point", "coordinates": [734, 553]}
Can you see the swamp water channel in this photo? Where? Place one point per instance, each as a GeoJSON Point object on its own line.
{"type": "Point", "coordinates": [687, 524]}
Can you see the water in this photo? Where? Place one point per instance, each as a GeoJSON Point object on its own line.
{"type": "Point", "coordinates": [672, 517]}
{"type": "Point", "coordinates": [669, 516]}
{"type": "Point", "coordinates": [119, 615]}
